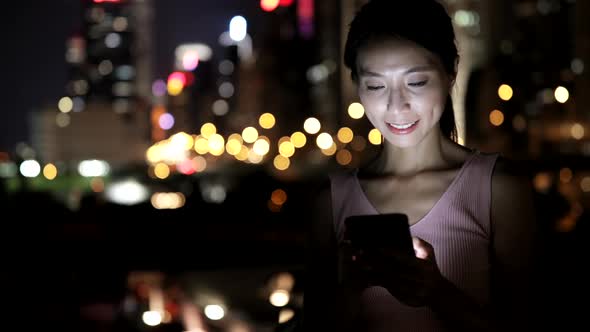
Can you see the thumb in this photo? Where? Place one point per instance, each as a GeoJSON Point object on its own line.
{"type": "Point", "coordinates": [422, 249]}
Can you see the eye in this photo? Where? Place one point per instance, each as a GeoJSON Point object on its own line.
{"type": "Point", "coordinates": [374, 87]}
{"type": "Point", "coordinates": [417, 84]}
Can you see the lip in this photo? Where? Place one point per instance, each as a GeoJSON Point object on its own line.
{"type": "Point", "coordinates": [404, 131]}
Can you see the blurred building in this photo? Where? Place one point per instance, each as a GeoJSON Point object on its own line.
{"type": "Point", "coordinates": [95, 133]}
{"type": "Point", "coordinates": [527, 98]}
{"type": "Point", "coordinates": [111, 60]}
{"type": "Point", "coordinates": [104, 113]}
{"type": "Point", "coordinates": [286, 70]}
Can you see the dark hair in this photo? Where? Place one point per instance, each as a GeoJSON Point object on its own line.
{"type": "Point", "coordinates": [424, 22]}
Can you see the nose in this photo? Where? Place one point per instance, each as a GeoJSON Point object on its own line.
{"type": "Point", "coordinates": [397, 101]}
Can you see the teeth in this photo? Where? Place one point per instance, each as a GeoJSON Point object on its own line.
{"type": "Point", "coordinates": [405, 126]}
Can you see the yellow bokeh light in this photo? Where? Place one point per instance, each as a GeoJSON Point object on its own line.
{"type": "Point", "coordinates": [243, 154]}
{"type": "Point", "coordinates": [565, 175]}
{"type": "Point", "coordinates": [201, 145]}
{"type": "Point", "coordinates": [298, 139]}
{"type": "Point", "coordinates": [217, 152]}
{"type": "Point", "coordinates": [264, 138]}
{"type": "Point", "coordinates": [324, 141]}
{"type": "Point", "coordinates": [50, 171]}
{"type": "Point", "coordinates": [175, 87]}
{"type": "Point", "coordinates": [233, 146]}
{"type": "Point", "coordinates": [496, 117]}
{"type": "Point", "coordinates": [236, 137]}
{"type": "Point", "coordinates": [208, 129]}
{"type": "Point", "coordinates": [287, 149]}
{"type": "Point", "coordinates": [283, 139]}
{"type": "Point", "coordinates": [281, 163]}
{"type": "Point", "coordinates": [261, 146]}
{"type": "Point", "coordinates": [375, 136]}
{"type": "Point", "coordinates": [331, 150]}
{"type": "Point", "coordinates": [285, 315]}
{"type": "Point", "coordinates": [250, 134]}
{"type": "Point", "coordinates": [216, 145]}
{"type": "Point", "coordinates": [542, 181]}
{"type": "Point", "coordinates": [343, 157]}
{"type": "Point", "coordinates": [278, 197]}
{"type": "Point", "coordinates": [161, 170]}
{"type": "Point", "coordinates": [585, 184]}
{"type": "Point", "coordinates": [577, 131]}
{"type": "Point", "coordinates": [154, 153]}
{"type": "Point", "coordinates": [267, 120]}
{"type": "Point", "coordinates": [65, 104]}
{"type": "Point", "coordinates": [269, 5]}
{"type": "Point", "coordinates": [505, 92]}
{"type": "Point", "coordinates": [254, 157]}
{"type": "Point", "coordinates": [182, 141]}
{"type": "Point", "coordinates": [561, 94]}
{"type": "Point", "coordinates": [172, 200]}
{"type": "Point", "coordinates": [356, 110]}
{"type": "Point", "coordinates": [345, 135]}
{"type": "Point", "coordinates": [312, 126]}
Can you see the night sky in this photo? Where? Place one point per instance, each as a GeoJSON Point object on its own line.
{"type": "Point", "coordinates": [34, 44]}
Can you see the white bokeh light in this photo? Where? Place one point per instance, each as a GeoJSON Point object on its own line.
{"type": "Point", "coordinates": [238, 28]}
{"type": "Point", "coordinates": [214, 312]}
{"type": "Point", "coordinates": [30, 168]}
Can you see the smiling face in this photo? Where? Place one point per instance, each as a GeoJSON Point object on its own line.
{"type": "Point", "coordinates": [403, 89]}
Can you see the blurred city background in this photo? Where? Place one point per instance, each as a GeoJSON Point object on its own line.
{"type": "Point", "coordinates": [156, 155]}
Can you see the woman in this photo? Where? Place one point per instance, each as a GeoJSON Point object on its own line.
{"type": "Point", "coordinates": [470, 218]}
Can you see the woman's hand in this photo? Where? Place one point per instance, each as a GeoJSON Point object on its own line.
{"type": "Point", "coordinates": [413, 280]}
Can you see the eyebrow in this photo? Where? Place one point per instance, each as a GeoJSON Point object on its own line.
{"type": "Point", "coordinates": [365, 72]}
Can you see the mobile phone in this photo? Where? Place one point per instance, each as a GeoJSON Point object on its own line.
{"type": "Point", "coordinates": [390, 230]}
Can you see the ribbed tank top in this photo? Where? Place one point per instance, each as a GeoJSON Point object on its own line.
{"type": "Point", "coordinates": [458, 228]}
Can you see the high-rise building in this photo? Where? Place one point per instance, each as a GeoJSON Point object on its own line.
{"type": "Point", "coordinates": [110, 74]}
{"type": "Point", "coordinates": [111, 59]}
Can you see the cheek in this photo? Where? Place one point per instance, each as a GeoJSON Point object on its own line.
{"type": "Point", "coordinates": [374, 100]}
{"type": "Point", "coordinates": [432, 105]}
{"type": "Point", "coordinates": [366, 98]}
{"type": "Point", "coordinates": [373, 108]}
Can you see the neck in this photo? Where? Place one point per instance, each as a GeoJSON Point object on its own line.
{"type": "Point", "coordinates": [433, 153]}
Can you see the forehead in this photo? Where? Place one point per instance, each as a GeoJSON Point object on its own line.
{"type": "Point", "coordinates": [392, 53]}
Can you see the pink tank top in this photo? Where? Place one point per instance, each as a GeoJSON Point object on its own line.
{"type": "Point", "coordinates": [458, 228]}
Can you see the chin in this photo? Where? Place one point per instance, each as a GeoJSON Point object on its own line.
{"type": "Point", "coordinates": [401, 143]}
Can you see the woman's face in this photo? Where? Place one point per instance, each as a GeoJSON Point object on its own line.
{"type": "Point", "coordinates": [403, 89]}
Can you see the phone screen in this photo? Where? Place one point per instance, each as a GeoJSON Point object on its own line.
{"type": "Point", "coordinates": [380, 231]}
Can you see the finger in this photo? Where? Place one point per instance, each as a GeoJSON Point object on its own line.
{"type": "Point", "coordinates": [422, 249]}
